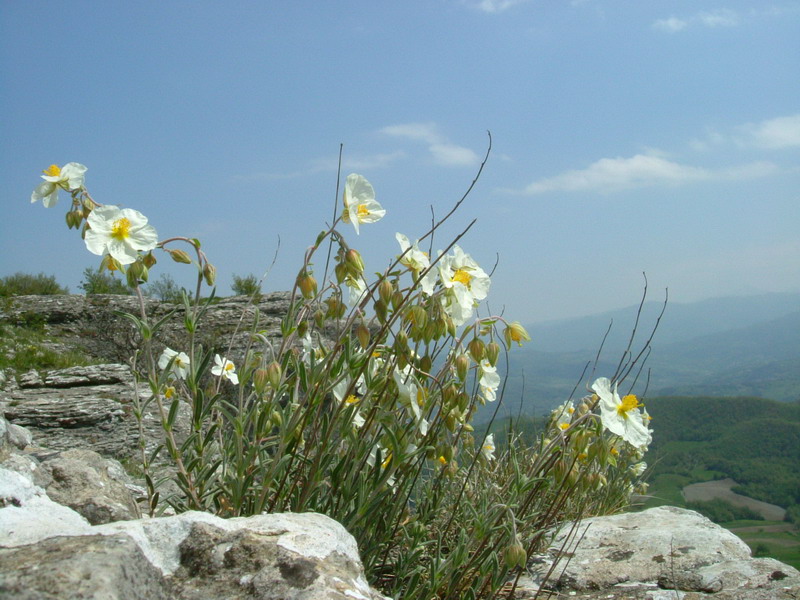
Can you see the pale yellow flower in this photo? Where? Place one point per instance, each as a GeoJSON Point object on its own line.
{"type": "Point", "coordinates": [69, 177]}
{"type": "Point", "coordinates": [360, 205]}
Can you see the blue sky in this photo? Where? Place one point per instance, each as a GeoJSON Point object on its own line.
{"type": "Point", "coordinates": [627, 136]}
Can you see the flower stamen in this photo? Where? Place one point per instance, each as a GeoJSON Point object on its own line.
{"type": "Point", "coordinates": [121, 229]}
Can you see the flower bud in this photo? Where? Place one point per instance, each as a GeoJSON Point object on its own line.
{"type": "Point", "coordinates": [492, 352]}
{"type": "Point", "coordinates": [340, 270]}
{"type": "Point", "coordinates": [276, 418]}
{"type": "Point", "coordinates": [515, 332]}
{"type": "Point", "coordinates": [385, 291]}
{"type": "Point", "coordinates": [425, 364]}
{"type": "Point", "coordinates": [180, 256]}
{"type": "Point", "coordinates": [136, 274]}
{"type": "Point", "coordinates": [149, 260]}
{"type": "Point", "coordinates": [515, 555]}
{"type": "Point", "coordinates": [397, 299]}
{"type": "Point", "coordinates": [476, 349]}
{"type": "Point", "coordinates": [260, 380]}
{"type": "Point", "coordinates": [362, 333]}
{"type": "Point", "coordinates": [354, 262]}
{"type": "Point", "coordinates": [380, 311]}
{"type": "Point", "coordinates": [302, 328]}
{"type": "Point", "coordinates": [209, 273]}
{"type": "Point", "coordinates": [462, 366]}
{"type": "Point", "coordinates": [401, 340]}
{"type": "Point", "coordinates": [416, 316]}
{"type": "Point", "coordinates": [111, 263]}
{"type": "Point", "coordinates": [307, 284]}
{"type": "Point", "coordinates": [274, 374]}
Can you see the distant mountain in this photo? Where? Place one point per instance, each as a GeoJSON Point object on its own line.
{"type": "Point", "coordinates": [681, 322]}
{"type": "Point", "coordinates": [721, 347]}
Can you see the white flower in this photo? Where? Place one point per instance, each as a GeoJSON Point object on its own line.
{"type": "Point", "coordinates": [412, 395]}
{"type": "Point", "coordinates": [489, 381]}
{"type": "Point", "coordinates": [357, 288]}
{"type": "Point", "coordinates": [466, 283]}
{"type": "Point", "coordinates": [621, 416]}
{"type": "Point", "coordinates": [563, 415]}
{"type": "Point", "coordinates": [418, 261]}
{"type": "Point", "coordinates": [120, 232]}
{"type": "Point", "coordinates": [180, 366]}
{"type": "Point", "coordinates": [225, 368]}
{"type": "Point", "coordinates": [360, 205]}
{"type": "Point", "coordinates": [69, 177]}
{"type": "Point", "coordinates": [488, 447]}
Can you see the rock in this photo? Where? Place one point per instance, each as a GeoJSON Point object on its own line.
{"type": "Point", "coordinates": [90, 407]}
{"type": "Point", "coordinates": [19, 437]}
{"type": "Point", "coordinates": [89, 484]}
{"type": "Point", "coordinates": [27, 515]}
{"type": "Point", "coordinates": [92, 567]}
{"type": "Point", "coordinates": [659, 554]}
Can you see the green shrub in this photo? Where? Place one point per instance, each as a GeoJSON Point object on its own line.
{"type": "Point", "coordinates": [23, 284]}
{"type": "Point", "coordinates": [165, 289]}
{"type": "Point", "coordinates": [248, 285]}
{"type": "Point", "coordinates": [102, 282]}
{"type": "Point", "coordinates": [722, 511]}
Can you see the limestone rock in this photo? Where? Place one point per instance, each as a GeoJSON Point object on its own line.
{"type": "Point", "coordinates": [659, 554]}
{"type": "Point", "coordinates": [94, 567]}
{"type": "Point", "coordinates": [89, 484]}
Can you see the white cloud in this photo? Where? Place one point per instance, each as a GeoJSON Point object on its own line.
{"type": "Point", "coordinates": [671, 25]}
{"type": "Point", "coordinates": [496, 6]}
{"type": "Point", "coordinates": [717, 18]}
{"type": "Point", "coordinates": [614, 174]}
{"type": "Point", "coordinates": [771, 134]}
{"type": "Point", "coordinates": [781, 132]}
{"type": "Point", "coordinates": [321, 165]}
{"type": "Point", "coordinates": [442, 150]}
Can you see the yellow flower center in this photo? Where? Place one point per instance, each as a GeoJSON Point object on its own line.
{"type": "Point", "coordinates": [442, 460]}
{"type": "Point", "coordinates": [614, 452]}
{"type": "Point", "coordinates": [229, 366]}
{"type": "Point", "coordinates": [564, 426]}
{"type": "Point", "coordinates": [351, 399]}
{"type": "Point", "coordinates": [386, 461]}
{"type": "Point", "coordinates": [629, 403]}
{"type": "Point", "coordinates": [52, 171]}
{"type": "Point", "coordinates": [363, 211]}
{"type": "Point", "coordinates": [169, 392]}
{"type": "Point", "coordinates": [462, 277]}
{"type": "Point", "coordinates": [121, 229]}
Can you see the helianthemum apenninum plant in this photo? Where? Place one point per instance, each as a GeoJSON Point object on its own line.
{"type": "Point", "coordinates": [363, 409]}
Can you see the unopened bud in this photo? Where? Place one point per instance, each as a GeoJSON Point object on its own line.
{"type": "Point", "coordinates": [180, 256]}
{"type": "Point", "coordinates": [397, 299]}
{"type": "Point", "coordinates": [260, 380]}
{"type": "Point", "coordinates": [425, 364]}
{"type": "Point", "coordinates": [307, 284]}
{"type": "Point", "coordinates": [274, 374]}
{"type": "Point", "coordinates": [476, 349]}
{"type": "Point", "coordinates": [149, 260]}
{"type": "Point", "coordinates": [209, 274]}
{"type": "Point", "coordinates": [492, 352]}
{"type": "Point", "coordinates": [112, 264]}
{"type": "Point", "coordinates": [276, 418]}
{"type": "Point", "coordinates": [380, 311]}
{"type": "Point", "coordinates": [385, 291]}
{"type": "Point", "coordinates": [515, 555]}
{"type": "Point", "coordinates": [362, 333]}
{"type": "Point", "coordinates": [401, 340]}
{"type": "Point", "coordinates": [340, 270]}
{"type": "Point", "coordinates": [355, 264]}
{"type": "Point", "coordinates": [462, 366]}
{"type": "Point", "coordinates": [416, 316]}
{"type": "Point", "coordinates": [136, 274]}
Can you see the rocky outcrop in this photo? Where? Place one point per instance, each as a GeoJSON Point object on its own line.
{"type": "Point", "coordinates": [92, 323]}
{"type": "Point", "coordinates": [86, 407]}
{"type": "Point", "coordinates": [660, 553]}
{"type": "Point", "coordinates": [48, 550]}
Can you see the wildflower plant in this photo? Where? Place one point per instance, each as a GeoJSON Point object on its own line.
{"type": "Point", "coordinates": [363, 409]}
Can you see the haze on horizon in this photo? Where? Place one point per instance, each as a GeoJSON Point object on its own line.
{"type": "Point", "coordinates": [627, 137]}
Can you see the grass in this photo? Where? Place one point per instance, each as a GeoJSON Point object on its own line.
{"type": "Point", "coordinates": [25, 348]}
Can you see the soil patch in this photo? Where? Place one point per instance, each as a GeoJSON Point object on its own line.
{"type": "Point", "coordinates": [721, 488]}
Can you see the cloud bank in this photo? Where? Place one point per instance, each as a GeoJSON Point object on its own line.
{"type": "Point", "coordinates": [442, 151]}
